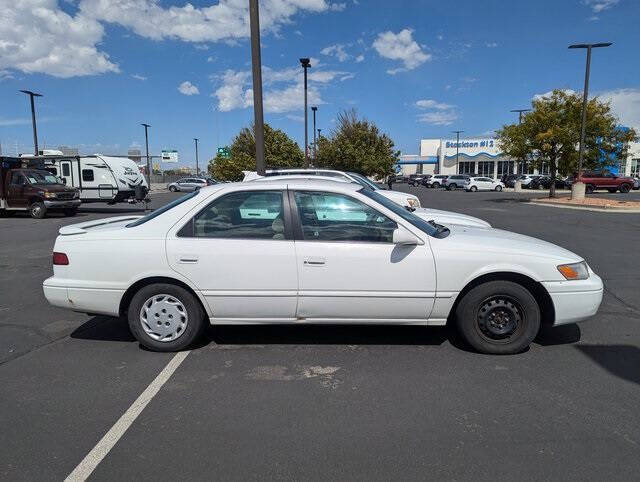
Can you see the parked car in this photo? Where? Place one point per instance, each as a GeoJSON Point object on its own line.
{"type": "Point", "coordinates": [437, 180]}
{"type": "Point", "coordinates": [544, 182]}
{"type": "Point", "coordinates": [402, 198]}
{"type": "Point", "coordinates": [35, 191]}
{"type": "Point", "coordinates": [187, 184]}
{"type": "Point", "coordinates": [425, 179]}
{"type": "Point", "coordinates": [596, 180]}
{"type": "Point", "coordinates": [211, 181]}
{"type": "Point", "coordinates": [417, 179]}
{"type": "Point", "coordinates": [455, 182]}
{"type": "Point", "coordinates": [636, 183]}
{"type": "Point", "coordinates": [483, 184]}
{"type": "Point", "coordinates": [510, 180]}
{"type": "Point", "coordinates": [527, 179]}
{"type": "Point", "coordinates": [304, 251]}
{"type": "Point", "coordinates": [399, 178]}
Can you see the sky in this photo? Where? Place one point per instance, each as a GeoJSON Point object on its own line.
{"type": "Point", "coordinates": [418, 69]}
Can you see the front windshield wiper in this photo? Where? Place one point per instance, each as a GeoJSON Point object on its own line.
{"type": "Point", "coordinates": [441, 231]}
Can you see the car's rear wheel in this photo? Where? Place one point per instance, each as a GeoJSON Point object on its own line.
{"type": "Point", "coordinates": [173, 188]}
{"type": "Point", "coordinates": [451, 187]}
{"type": "Point", "coordinates": [435, 185]}
{"type": "Point", "coordinates": [473, 189]}
{"type": "Point", "coordinates": [498, 317]}
{"type": "Point", "coordinates": [625, 188]}
{"type": "Point", "coordinates": [498, 188]}
{"type": "Point", "coordinates": [589, 188]}
{"type": "Point", "coordinates": [165, 317]}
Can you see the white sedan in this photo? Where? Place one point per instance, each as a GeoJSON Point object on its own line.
{"type": "Point", "coordinates": [483, 184]}
{"type": "Point", "coordinates": [314, 252]}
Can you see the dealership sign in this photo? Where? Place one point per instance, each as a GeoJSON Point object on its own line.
{"type": "Point", "coordinates": [474, 143]}
{"type": "Point", "coordinates": [169, 156]}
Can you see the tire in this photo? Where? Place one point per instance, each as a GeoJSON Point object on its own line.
{"type": "Point", "coordinates": [498, 188]}
{"type": "Point", "coordinates": [38, 210]}
{"type": "Point", "coordinates": [625, 188]}
{"type": "Point", "coordinates": [70, 212]}
{"type": "Point", "coordinates": [498, 317]}
{"type": "Point", "coordinates": [473, 189]}
{"type": "Point", "coordinates": [589, 188]}
{"type": "Point", "coordinates": [173, 188]}
{"type": "Point", "coordinates": [178, 302]}
{"type": "Point", "coordinates": [435, 185]}
{"type": "Point", "coordinates": [451, 187]}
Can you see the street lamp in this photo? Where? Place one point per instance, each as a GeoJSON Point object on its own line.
{"type": "Point", "coordinates": [197, 168]}
{"type": "Point", "coordinates": [457, 149]}
{"type": "Point", "coordinates": [256, 66]}
{"type": "Point", "coordinates": [319, 131]}
{"type": "Point", "coordinates": [146, 141]}
{"type": "Point", "coordinates": [306, 63]}
{"type": "Point", "coordinates": [33, 118]}
{"type": "Point", "coordinates": [315, 150]}
{"type": "Point", "coordinates": [585, 95]}
{"type": "Point", "coordinates": [520, 111]}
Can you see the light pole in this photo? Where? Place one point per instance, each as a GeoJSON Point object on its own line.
{"type": "Point", "coordinates": [315, 148]}
{"type": "Point", "coordinates": [319, 131]}
{"type": "Point", "coordinates": [457, 149]}
{"type": "Point", "coordinates": [33, 118]}
{"type": "Point", "coordinates": [146, 141]}
{"type": "Point", "coordinates": [585, 95]}
{"type": "Point", "coordinates": [197, 168]}
{"type": "Point", "coordinates": [306, 63]}
{"type": "Point", "coordinates": [256, 66]}
{"type": "Point", "coordinates": [520, 111]}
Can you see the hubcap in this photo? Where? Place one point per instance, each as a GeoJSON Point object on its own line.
{"type": "Point", "coordinates": [163, 317]}
{"type": "Point", "coordinates": [499, 318]}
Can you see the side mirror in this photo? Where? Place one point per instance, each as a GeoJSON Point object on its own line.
{"type": "Point", "coordinates": [64, 181]}
{"type": "Point", "coordinates": [403, 237]}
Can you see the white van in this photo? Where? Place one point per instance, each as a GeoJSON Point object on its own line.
{"type": "Point", "coordinates": [99, 178]}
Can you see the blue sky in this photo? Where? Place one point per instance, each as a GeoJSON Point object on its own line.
{"type": "Point", "coordinates": [419, 69]}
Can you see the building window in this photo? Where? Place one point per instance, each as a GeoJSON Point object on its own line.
{"type": "Point", "coordinates": [466, 167]}
{"type": "Point", "coordinates": [505, 168]}
{"type": "Point", "coordinates": [635, 167]}
{"type": "Point", "coordinates": [87, 175]}
{"type": "Point", "coordinates": [485, 168]}
{"type": "Point", "coordinates": [544, 170]}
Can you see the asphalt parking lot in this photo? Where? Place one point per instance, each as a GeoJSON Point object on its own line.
{"type": "Point", "coordinates": [322, 403]}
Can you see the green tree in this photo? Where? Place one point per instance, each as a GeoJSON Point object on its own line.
{"type": "Point", "coordinates": [280, 152]}
{"type": "Point", "coordinates": [357, 145]}
{"type": "Point", "coordinates": [550, 135]}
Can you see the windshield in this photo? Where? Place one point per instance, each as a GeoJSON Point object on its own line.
{"type": "Point", "coordinates": [364, 181]}
{"type": "Point", "coordinates": [163, 209]}
{"type": "Point", "coordinates": [408, 216]}
{"type": "Point", "coordinates": [41, 178]}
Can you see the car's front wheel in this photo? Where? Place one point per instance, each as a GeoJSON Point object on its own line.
{"type": "Point", "coordinates": [435, 185]}
{"type": "Point", "coordinates": [451, 187]}
{"type": "Point", "coordinates": [473, 189]}
{"type": "Point", "coordinates": [498, 188]}
{"type": "Point", "coordinates": [498, 317]}
{"type": "Point", "coordinates": [173, 188]}
{"type": "Point", "coordinates": [38, 210]}
{"type": "Point", "coordinates": [165, 317]}
{"type": "Point", "coordinates": [625, 188]}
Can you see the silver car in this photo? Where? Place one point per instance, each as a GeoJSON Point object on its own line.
{"type": "Point", "coordinates": [187, 184]}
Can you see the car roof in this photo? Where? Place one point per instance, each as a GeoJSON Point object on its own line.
{"type": "Point", "coordinates": [290, 177]}
{"type": "Point", "coordinates": [287, 182]}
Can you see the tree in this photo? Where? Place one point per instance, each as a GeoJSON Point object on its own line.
{"type": "Point", "coordinates": [357, 145]}
{"type": "Point", "coordinates": [550, 135]}
{"type": "Point", "coordinates": [280, 152]}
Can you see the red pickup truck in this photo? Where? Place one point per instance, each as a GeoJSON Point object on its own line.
{"type": "Point", "coordinates": [606, 180]}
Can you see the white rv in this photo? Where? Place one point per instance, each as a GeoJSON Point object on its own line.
{"type": "Point", "coordinates": [99, 178]}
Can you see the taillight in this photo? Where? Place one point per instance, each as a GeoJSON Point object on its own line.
{"type": "Point", "coordinates": [60, 259]}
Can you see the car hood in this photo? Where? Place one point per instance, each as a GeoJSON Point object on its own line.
{"type": "Point", "coordinates": [447, 217]}
{"type": "Point", "coordinates": [497, 242]}
{"type": "Point", "coordinates": [397, 196]}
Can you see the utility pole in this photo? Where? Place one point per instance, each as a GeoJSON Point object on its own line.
{"type": "Point", "coordinates": [306, 63]}
{"type": "Point", "coordinates": [256, 66]}
{"type": "Point", "coordinates": [146, 141]}
{"type": "Point", "coordinates": [33, 118]}
{"type": "Point", "coordinates": [520, 111]}
{"type": "Point", "coordinates": [315, 146]}
{"type": "Point", "coordinates": [197, 167]}
{"type": "Point", "coordinates": [457, 149]}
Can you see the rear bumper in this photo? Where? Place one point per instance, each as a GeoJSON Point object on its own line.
{"type": "Point", "coordinates": [575, 301]}
{"type": "Point", "coordinates": [86, 300]}
{"type": "Point", "coordinates": [70, 204]}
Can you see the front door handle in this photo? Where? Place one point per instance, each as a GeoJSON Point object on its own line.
{"type": "Point", "coordinates": [314, 261]}
{"type": "Point", "coordinates": [188, 259]}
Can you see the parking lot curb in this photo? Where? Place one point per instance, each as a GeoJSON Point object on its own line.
{"type": "Point", "coordinates": [587, 208]}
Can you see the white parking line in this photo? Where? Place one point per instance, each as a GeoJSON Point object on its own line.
{"type": "Point", "coordinates": [106, 443]}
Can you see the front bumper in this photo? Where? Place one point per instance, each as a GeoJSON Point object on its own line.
{"type": "Point", "coordinates": [62, 204]}
{"type": "Point", "coordinates": [575, 301]}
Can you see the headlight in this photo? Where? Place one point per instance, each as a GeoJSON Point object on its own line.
{"type": "Point", "coordinates": [413, 202]}
{"type": "Point", "coordinates": [574, 271]}
{"type": "Point", "coordinates": [49, 195]}
{"type": "Point", "coordinates": [76, 195]}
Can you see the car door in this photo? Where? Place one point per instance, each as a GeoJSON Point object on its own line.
{"type": "Point", "coordinates": [487, 184]}
{"type": "Point", "coordinates": [348, 267]}
{"type": "Point", "coordinates": [17, 197]}
{"type": "Point", "coordinates": [238, 251]}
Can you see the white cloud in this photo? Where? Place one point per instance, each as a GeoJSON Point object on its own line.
{"type": "Point", "coordinates": [337, 7]}
{"type": "Point", "coordinates": [294, 117]}
{"type": "Point", "coordinates": [227, 20]}
{"type": "Point", "coordinates": [336, 50]}
{"type": "Point", "coordinates": [187, 88]}
{"type": "Point", "coordinates": [400, 46]}
{"type": "Point", "coordinates": [283, 89]}
{"type": "Point", "coordinates": [440, 37]}
{"type": "Point", "coordinates": [439, 118]}
{"type": "Point", "coordinates": [598, 6]}
{"type": "Point", "coordinates": [211, 59]}
{"type": "Point", "coordinates": [491, 45]}
{"type": "Point", "coordinates": [432, 104]}
{"type": "Point", "coordinates": [360, 58]}
{"type": "Point", "coordinates": [37, 36]}
{"type": "Point", "coordinates": [625, 104]}
{"type": "Point", "coordinates": [139, 77]}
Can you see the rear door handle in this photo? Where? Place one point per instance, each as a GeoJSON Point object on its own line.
{"type": "Point", "coordinates": [314, 261]}
{"type": "Point", "coordinates": [188, 259]}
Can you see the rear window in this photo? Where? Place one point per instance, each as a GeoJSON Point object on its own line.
{"type": "Point", "coordinates": [162, 210]}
